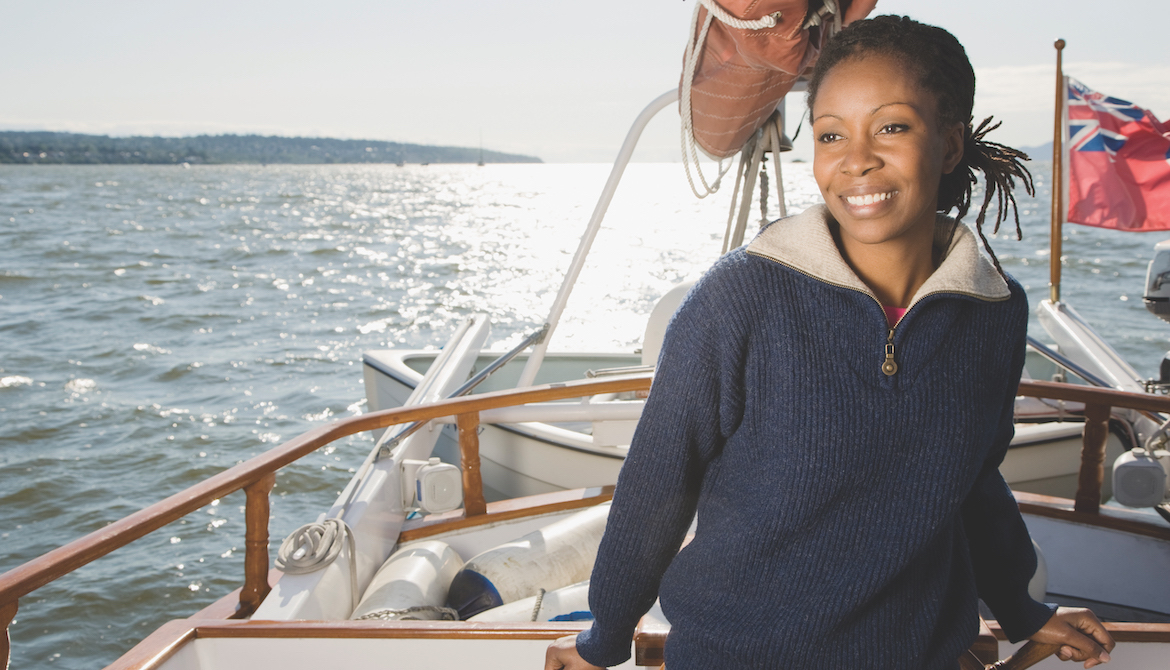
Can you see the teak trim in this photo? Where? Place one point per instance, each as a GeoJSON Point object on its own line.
{"type": "Point", "coordinates": [256, 476]}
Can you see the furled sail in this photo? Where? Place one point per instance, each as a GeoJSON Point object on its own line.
{"type": "Point", "coordinates": [744, 56]}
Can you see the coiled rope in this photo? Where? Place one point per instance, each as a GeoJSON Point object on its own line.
{"type": "Point", "coordinates": [314, 546]}
{"type": "Point", "coordinates": [691, 60]}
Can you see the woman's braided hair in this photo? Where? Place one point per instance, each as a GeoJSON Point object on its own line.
{"type": "Point", "coordinates": [941, 65]}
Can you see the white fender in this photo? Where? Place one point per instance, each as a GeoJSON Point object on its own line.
{"type": "Point", "coordinates": [570, 603]}
{"type": "Point", "coordinates": [416, 576]}
{"type": "Point", "coordinates": [560, 554]}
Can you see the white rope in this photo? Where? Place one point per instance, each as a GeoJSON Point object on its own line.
{"type": "Point", "coordinates": [690, 155]}
{"type": "Point", "coordinates": [766, 21]}
{"type": "Point", "coordinates": [538, 605]}
{"type": "Point", "coordinates": [314, 546]}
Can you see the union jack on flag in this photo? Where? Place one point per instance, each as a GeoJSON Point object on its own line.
{"type": "Point", "coordinates": [1118, 162]}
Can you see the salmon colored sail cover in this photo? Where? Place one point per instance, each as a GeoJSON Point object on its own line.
{"type": "Point", "coordinates": [742, 74]}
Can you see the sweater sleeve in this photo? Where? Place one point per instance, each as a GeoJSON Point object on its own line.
{"type": "Point", "coordinates": [695, 402]}
{"type": "Point", "coordinates": [1001, 549]}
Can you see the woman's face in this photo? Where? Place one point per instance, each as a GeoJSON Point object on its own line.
{"type": "Point", "coordinates": [879, 151]}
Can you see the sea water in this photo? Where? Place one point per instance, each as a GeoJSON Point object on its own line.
{"type": "Point", "coordinates": [161, 324]}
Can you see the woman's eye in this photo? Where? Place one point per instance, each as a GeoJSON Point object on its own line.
{"type": "Point", "coordinates": [826, 138]}
{"type": "Point", "coordinates": [892, 128]}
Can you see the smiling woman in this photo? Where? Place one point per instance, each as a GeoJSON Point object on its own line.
{"type": "Point", "coordinates": [744, 429]}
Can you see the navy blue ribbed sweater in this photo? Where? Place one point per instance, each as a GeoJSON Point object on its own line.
{"type": "Point", "coordinates": [845, 517]}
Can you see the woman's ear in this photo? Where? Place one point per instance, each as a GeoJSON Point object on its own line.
{"type": "Point", "coordinates": [953, 146]}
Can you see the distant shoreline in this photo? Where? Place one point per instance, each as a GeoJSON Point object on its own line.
{"type": "Point", "coordinates": [52, 148]}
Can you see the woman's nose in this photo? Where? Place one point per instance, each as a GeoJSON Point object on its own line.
{"type": "Point", "coordinates": [860, 158]}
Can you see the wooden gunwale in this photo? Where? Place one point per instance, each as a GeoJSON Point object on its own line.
{"type": "Point", "coordinates": [256, 473]}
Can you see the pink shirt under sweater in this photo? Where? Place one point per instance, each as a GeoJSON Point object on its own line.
{"type": "Point", "coordinates": [893, 314]}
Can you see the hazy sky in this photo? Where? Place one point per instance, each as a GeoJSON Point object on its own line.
{"type": "Point", "coordinates": [557, 79]}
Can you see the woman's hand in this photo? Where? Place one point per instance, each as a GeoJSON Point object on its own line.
{"type": "Point", "coordinates": [1080, 635]}
{"type": "Point", "coordinates": [562, 654]}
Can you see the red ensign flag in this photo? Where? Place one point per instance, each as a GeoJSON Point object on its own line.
{"type": "Point", "coordinates": [1118, 163]}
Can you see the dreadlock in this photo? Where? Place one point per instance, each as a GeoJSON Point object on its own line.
{"type": "Point", "coordinates": [941, 66]}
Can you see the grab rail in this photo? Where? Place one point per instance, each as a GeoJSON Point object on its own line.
{"type": "Point", "coordinates": [257, 475]}
{"type": "Point", "coordinates": [1099, 404]}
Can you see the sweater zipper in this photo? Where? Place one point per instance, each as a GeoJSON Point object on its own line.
{"type": "Point", "coordinates": [890, 366]}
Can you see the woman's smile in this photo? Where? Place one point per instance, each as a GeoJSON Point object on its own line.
{"type": "Point", "coordinates": [868, 198]}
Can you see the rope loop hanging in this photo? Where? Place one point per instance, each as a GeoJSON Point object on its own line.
{"type": "Point", "coordinates": [689, 148]}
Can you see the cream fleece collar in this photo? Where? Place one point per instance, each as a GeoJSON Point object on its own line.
{"type": "Point", "coordinates": [804, 243]}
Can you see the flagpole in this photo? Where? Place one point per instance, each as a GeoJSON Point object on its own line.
{"type": "Point", "coordinates": [1057, 181]}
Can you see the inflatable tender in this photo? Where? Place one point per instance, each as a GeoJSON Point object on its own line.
{"type": "Point", "coordinates": [560, 554]}
{"type": "Point", "coordinates": [412, 584]}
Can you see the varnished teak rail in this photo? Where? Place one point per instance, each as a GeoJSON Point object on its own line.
{"type": "Point", "coordinates": [257, 476]}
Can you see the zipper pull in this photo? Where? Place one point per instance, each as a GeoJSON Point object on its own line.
{"type": "Point", "coordinates": [890, 366]}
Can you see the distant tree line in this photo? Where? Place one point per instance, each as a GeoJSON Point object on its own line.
{"type": "Point", "coordinates": [49, 147]}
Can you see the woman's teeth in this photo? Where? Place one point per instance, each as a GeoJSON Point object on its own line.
{"type": "Point", "coordinates": [868, 198]}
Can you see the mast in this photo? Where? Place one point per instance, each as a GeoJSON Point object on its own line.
{"type": "Point", "coordinates": [1057, 181]}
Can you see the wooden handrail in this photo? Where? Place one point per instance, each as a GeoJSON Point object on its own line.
{"type": "Point", "coordinates": [256, 476]}
{"type": "Point", "coordinates": [25, 579]}
{"type": "Point", "coordinates": [1091, 395]}
{"type": "Point", "coordinates": [1099, 404]}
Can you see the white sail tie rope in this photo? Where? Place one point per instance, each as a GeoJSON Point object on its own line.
{"type": "Point", "coordinates": [314, 546]}
{"type": "Point", "coordinates": [766, 21]}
